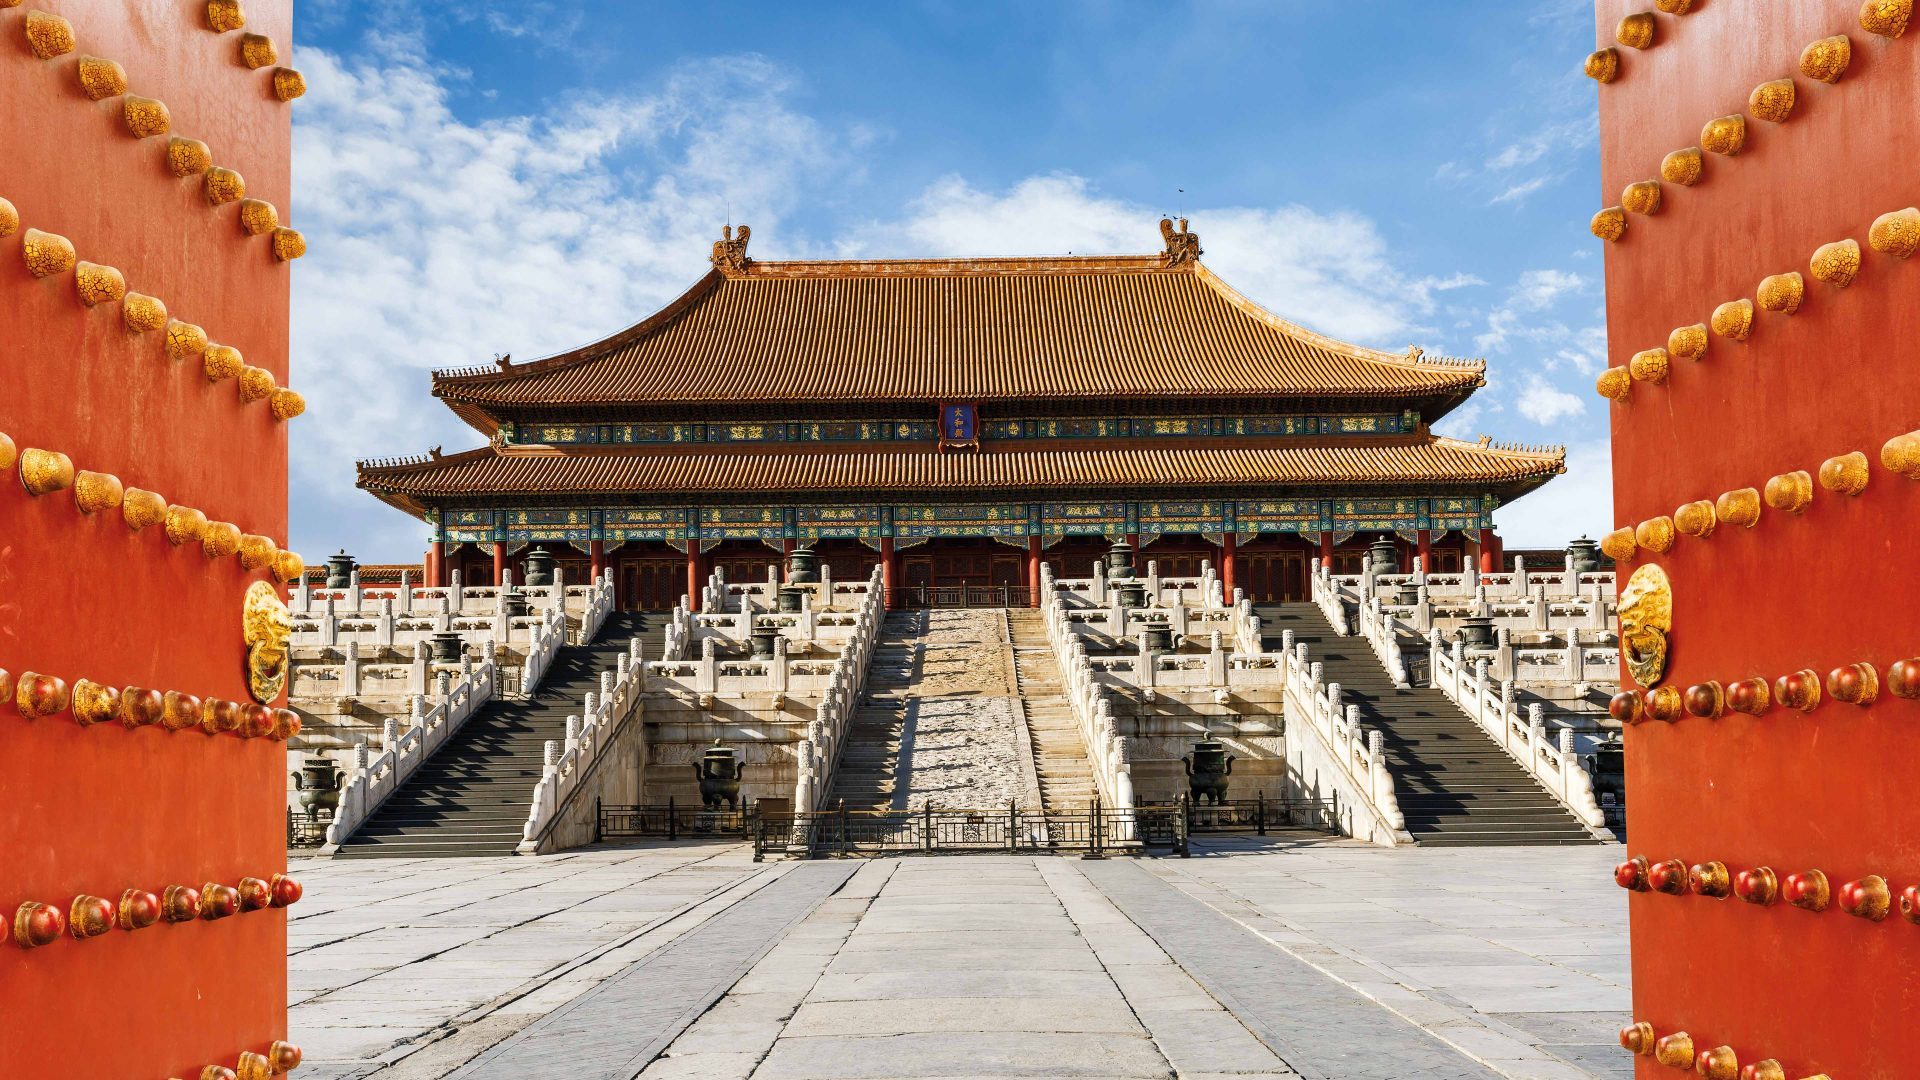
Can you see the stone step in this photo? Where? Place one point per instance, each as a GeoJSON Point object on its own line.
{"type": "Point", "coordinates": [1454, 785]}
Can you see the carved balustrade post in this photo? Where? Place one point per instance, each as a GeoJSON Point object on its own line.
{"type": "Point", "coordinates": [350, 674]}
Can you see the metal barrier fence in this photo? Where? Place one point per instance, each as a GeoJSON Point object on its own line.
{"type": "Point", "coordinates": [1260, 814]}
{"type": "Point", "coordinates": [303, 831]}
{"type": "Point", "coordinates": [1094, 831]}
{"type": "Point", "coordinates": [670, 821]}
{"type": "Point", "coordinates": [915, 597]}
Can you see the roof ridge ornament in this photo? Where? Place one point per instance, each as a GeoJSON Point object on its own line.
{"type": "Point", "coordinates": [730, 251]}
{"type": "Point", "coordinates": [1183, 244]}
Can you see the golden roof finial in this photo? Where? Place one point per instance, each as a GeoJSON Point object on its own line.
{"type": "Point", "coordinates": [1183, 244]}
{"type": "Point", "coordinates": [730, 251]}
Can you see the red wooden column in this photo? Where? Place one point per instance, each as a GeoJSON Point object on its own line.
{"type": "Point", "coordinates": [436, 568]}
{"type": "Point", "coordinates": [1406, 555]}
{"type": "Point", "coordinates": [1426, 549]}
{"type": "Point", "coordinates": [1489, 552]}
{"type": "Point", "coordinates": [1227, 545]}
{"type": "Point", "coordinates": [499, 561]}
{"type": "Point", "coordinates": [1033, 571]}
{"type": "Point", "coordinates": [693, 573]}
{"type": "Point", "coordinates": [889, 570]}
{"type": "Point", "coordinates": [1326, 551]}
{"type": "Point", "coordinates": [597, 556]}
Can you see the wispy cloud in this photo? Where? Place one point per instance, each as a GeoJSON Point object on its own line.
{"type": "Point", "coordinates": [1553, 138]}
{"type": "Point", "coordinates": [1520, 191]}
{"type": "Point", "coordinates": [1533, 292]}
{"type": "Point", "coordinates": [1543, 403]}
{"type": "Point", "coordinates": [1331, 270]}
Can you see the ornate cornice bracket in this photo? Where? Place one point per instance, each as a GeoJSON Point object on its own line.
{"type": "Point", "coordinates": [1183, 244]}
{"type": "Point", "coordinates": [730, 251]}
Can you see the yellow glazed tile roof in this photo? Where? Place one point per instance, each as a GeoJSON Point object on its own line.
{"type": "Point", "coordinates": [489, 471]}
{"type": "Point", "coordinates": [954, 330]}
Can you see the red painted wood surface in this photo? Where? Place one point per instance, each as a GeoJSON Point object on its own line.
{"type": "Point", "coordinates": [103, 809]}
{"type": "Point", "coordinates": [1833, 789]}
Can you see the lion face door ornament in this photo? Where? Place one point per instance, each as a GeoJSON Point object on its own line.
{"type": "Point", "coordinates": [1646, 618]}
{"type": "Point", "coordinates": [267, 627]}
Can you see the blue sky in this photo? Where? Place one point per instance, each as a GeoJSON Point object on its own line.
{"type": "Point", "coordinates": [527, 176]}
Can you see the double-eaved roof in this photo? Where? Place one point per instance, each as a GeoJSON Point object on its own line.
{"type": "Point", "coordinates": [1160, 331]}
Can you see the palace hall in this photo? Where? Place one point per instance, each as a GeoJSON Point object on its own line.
{"type": "Point", "coordinates": [959, 422]}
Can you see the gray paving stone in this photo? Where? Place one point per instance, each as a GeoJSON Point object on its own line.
{"type": "Point", "coordinates": [1002, 983]}
{"type": "Point", "coordinates": [1350, 1038]}
{"type": "Point", "coordinates": [410, 969]}
{"type": "Point", "coordinates": [616, 1029]}
{"type": "Point", "coordinates": [1084, 1015]}
{"type": "Point", "coordinates": [976, 1054]}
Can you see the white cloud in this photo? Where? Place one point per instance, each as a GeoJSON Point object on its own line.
{"type": "Point", "coordinates": [1520, 191]}
{"type": "Point", "coordinates": [1534, 291]}
{"type": "Point", "coordinates": [1543, 403]}
{"type": "Point", "coordinates": [436, 242]}
{"type": "Point", "coordinates": [1549, 139]}
{"type": "Point", "coordinates": [1463, 422]}
{"type": "Point", "coordinates": [1577, 504]}
{"type": "Point", "coordinates": [1332, 271]}
{"type": "Point", "coordinates": [539, 20]}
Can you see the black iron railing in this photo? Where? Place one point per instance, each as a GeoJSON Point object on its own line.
{"type": "Point", "coordinates": [1260, 814]}
{"type": "Point", "coordinates": [671, 820]}
{"type": "Point", "coordinates": [303, 831]}
{"type": "Point", "coordinates": [1093, 831]}
{"type": "Point", "coordinates": [914, 597]}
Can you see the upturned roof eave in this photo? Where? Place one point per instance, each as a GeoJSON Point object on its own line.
{"type": "Point", "coordinates": [1438, 384]}
{"type": "Point", "coordinates": [387, 481]}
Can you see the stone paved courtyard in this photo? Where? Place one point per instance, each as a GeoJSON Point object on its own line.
{"type": "Point", "coordinates": [1275, 957]}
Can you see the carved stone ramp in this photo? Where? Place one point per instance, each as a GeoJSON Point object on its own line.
{"type": "Point", "coordinates": [939, 719]}
{"type": "Point", "coordinates": [614, 1030]}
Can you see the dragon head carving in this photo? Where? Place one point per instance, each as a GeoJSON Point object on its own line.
{"type": "Point", "coordinates": [267, 627]}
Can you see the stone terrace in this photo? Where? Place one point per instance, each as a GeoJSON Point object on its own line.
{"type": "Point", "coordinates": [1276, 957]}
